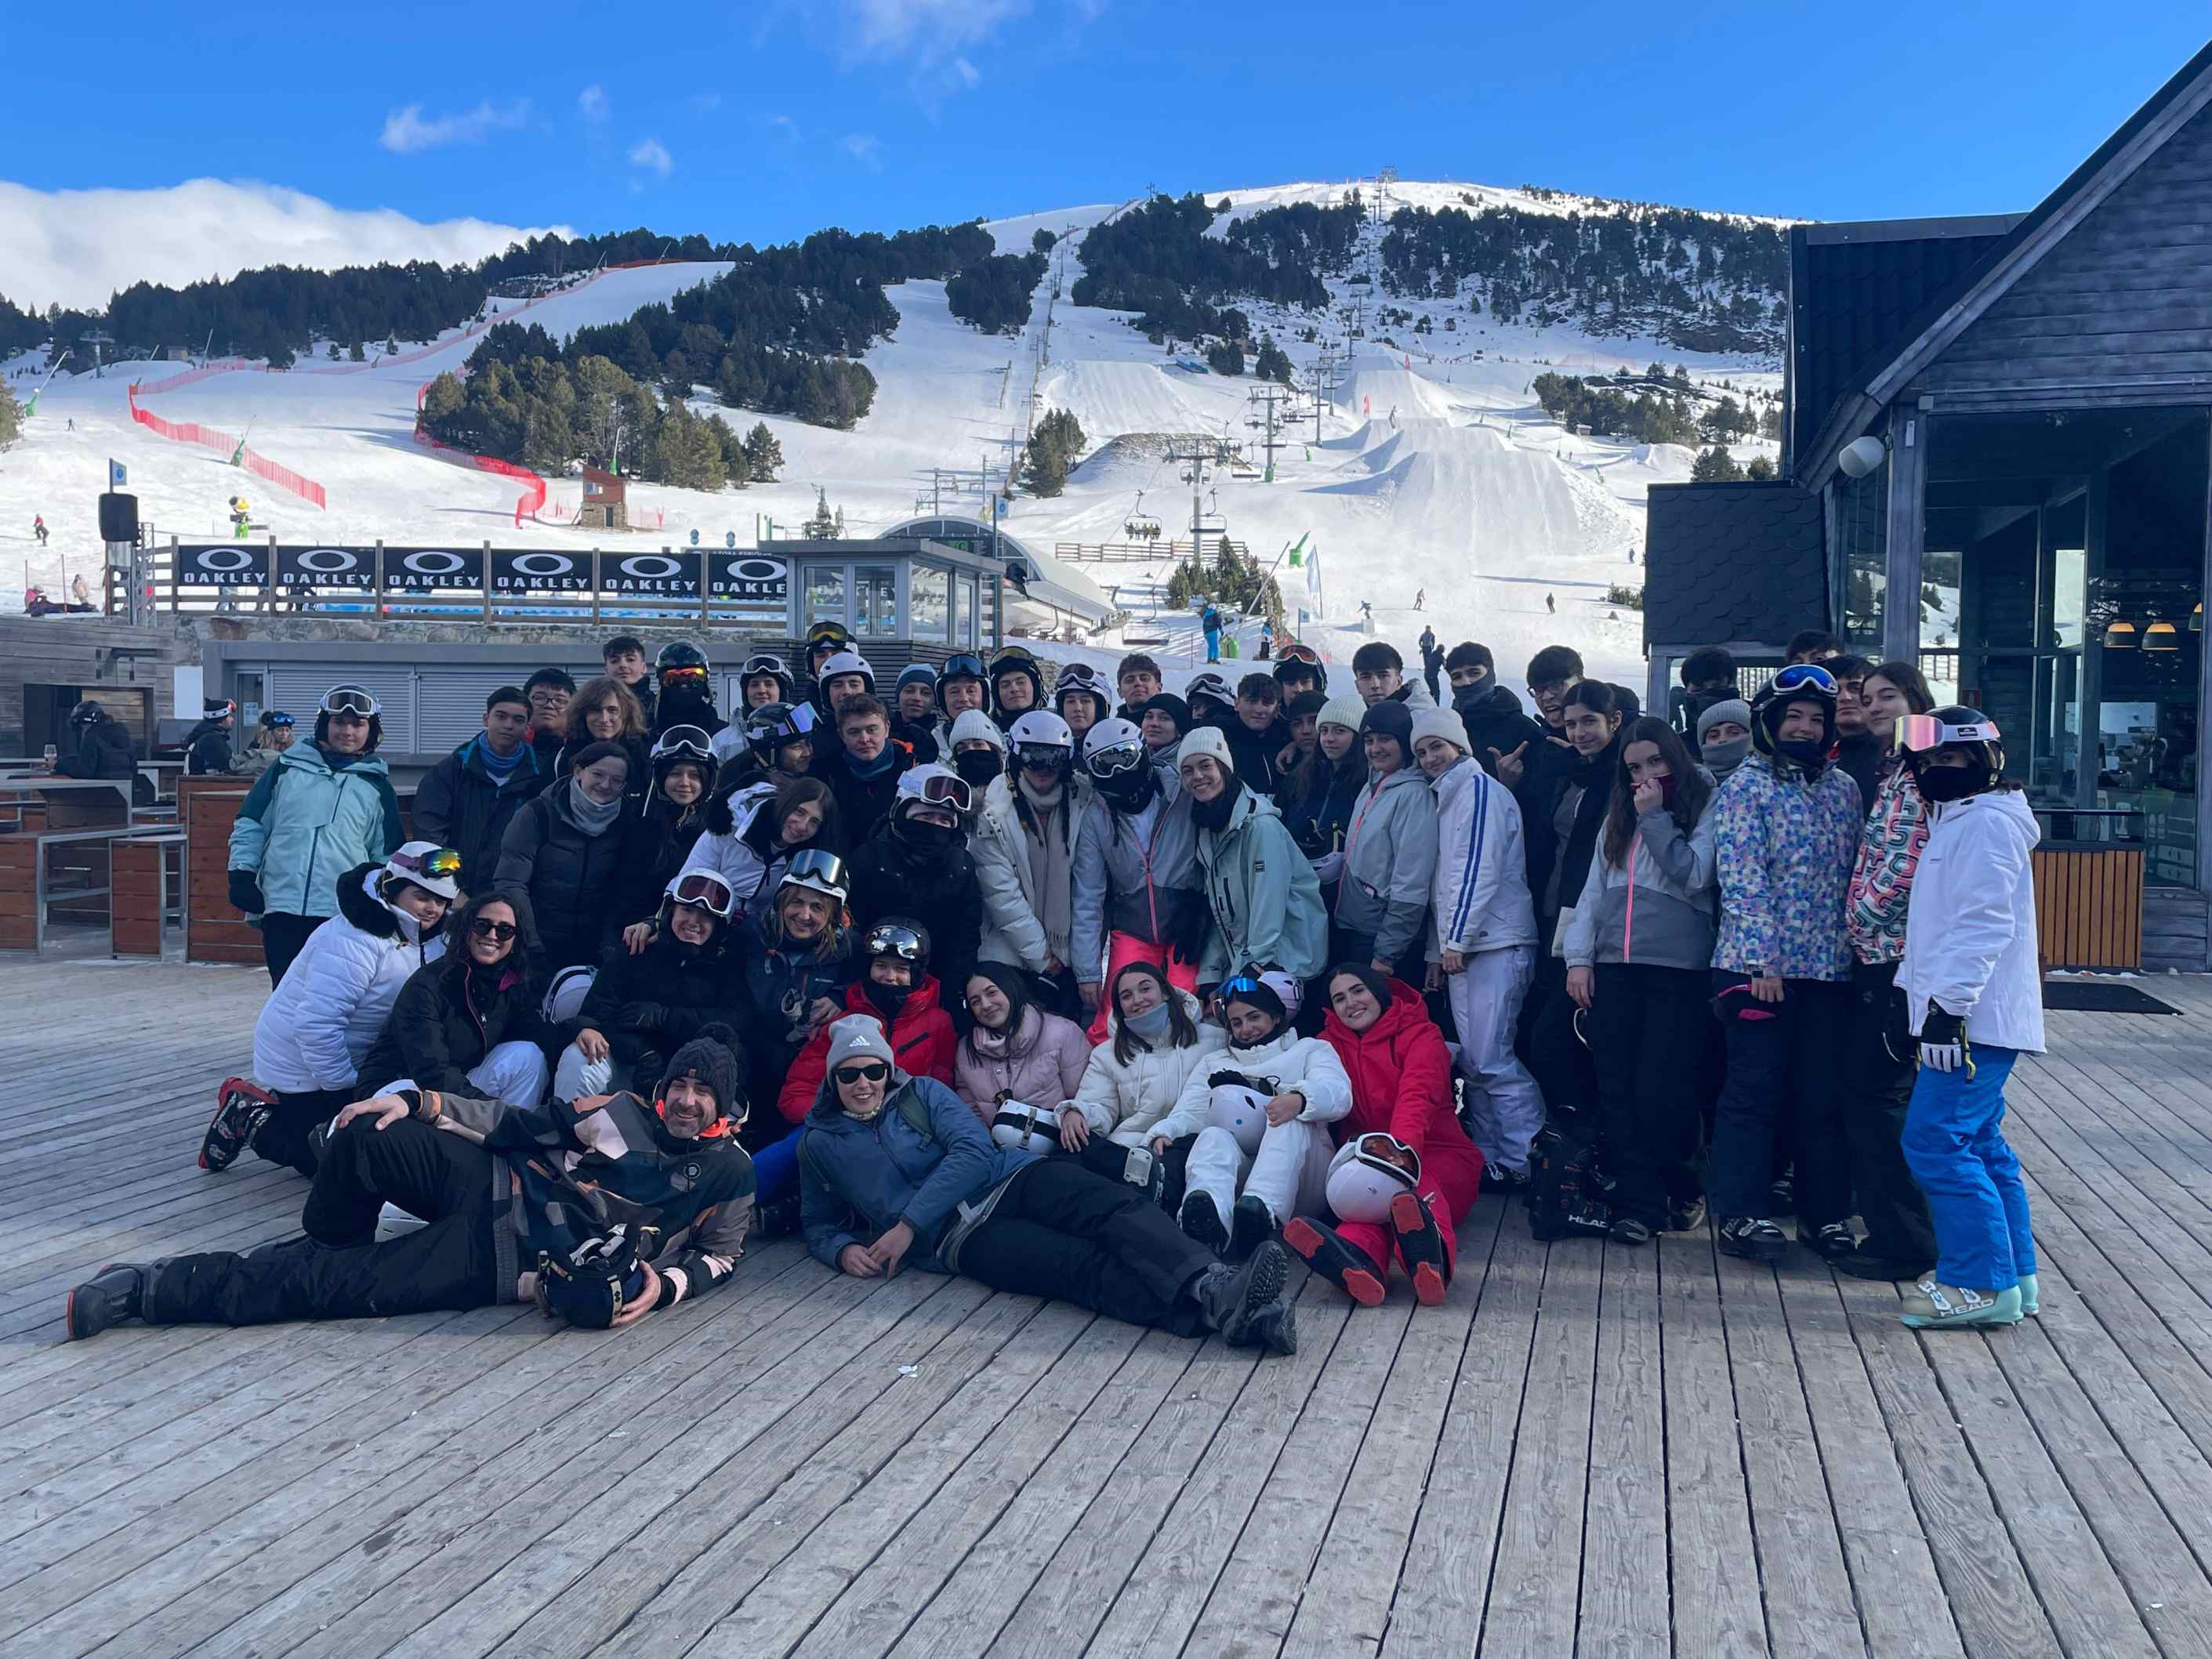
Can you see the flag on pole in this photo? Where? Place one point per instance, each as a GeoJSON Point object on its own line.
{"type": "Point", "coordinates": [116, 475]}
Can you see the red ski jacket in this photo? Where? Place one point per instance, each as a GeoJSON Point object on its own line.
{"type": "Point", "coordinates": [921, 1038]}
{"type": "Point", "coordinates": [1401, 1084]}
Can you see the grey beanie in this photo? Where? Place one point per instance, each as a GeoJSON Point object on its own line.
{"type": "Point", "coordinates": [858, 1036]}
{"type": "Point", "coordinates": [1734, 708]}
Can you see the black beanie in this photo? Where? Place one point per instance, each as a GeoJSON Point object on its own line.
{"type": "Point", "coordinates": [1390, 720]}
{"type": "Point", "coordinates": [1173, 708]}
{"type": "Point", "coordinates": [712, 1058]}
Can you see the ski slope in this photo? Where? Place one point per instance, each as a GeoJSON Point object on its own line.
{"type": "Point", "coordinates": [1431, 471]}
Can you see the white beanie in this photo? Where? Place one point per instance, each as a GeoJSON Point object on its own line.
{"type": "Point", "coordinates": [1347, 711]}
{"type": "Point", "coordinates": [976, 724]}
{"type": "Point", "coordinates": [1442, 723]}
{"type": "Point", "coordinates": [858, 1036]}
{"type": "Point", "coordinates": [1206, 740]}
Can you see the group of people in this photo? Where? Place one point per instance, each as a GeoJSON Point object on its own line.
{"type": "Point", "coordinates": [1122, 995]}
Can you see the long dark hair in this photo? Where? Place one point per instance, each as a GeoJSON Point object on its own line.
{"type": "Point", "coordinates": [768, 823]}
{"type": "Point", "coordinates": [1691, 792]}
{"type": "Point", "coordinates": [1183, 1030]}
{"type": "Point", "coordinates": [455, 964]}
{"type": "Point", "coordinates": [1019, 998]}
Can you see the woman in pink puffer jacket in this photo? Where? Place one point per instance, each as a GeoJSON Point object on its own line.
{"type": "Point", "coordinates": [1016, 1050]}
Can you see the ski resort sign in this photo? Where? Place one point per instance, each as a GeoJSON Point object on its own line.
{"type": "Point", "coordinates": [221, 565]}
{"type": "Point", "coordinates": [743, 576]}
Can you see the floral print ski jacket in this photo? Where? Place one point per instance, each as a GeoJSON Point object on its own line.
{"type": "Point", "coordinates": [1785, 848]}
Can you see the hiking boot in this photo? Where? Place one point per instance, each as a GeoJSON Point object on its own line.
{"type": "Point", "coordinates": [1753, 1237]}
{"type": "Point", "coordinates": [1896, 1270]}
{"type": "Point", "coordinates": [1627, 1229]}
{"type": "Point", "coordinates": [241, 1108]}
{"type": "Point", "coordinates": [1251, 1223]}
{"type": "Point", "coordinates": [1202, 1222]}
{"type": "Point", "coordinates": [1832, 1241]}
{"type": "Point", "coordinates": [1245, 1306]}
{"type": "Point", "coordinates": [115, 1293]}
{"type": "Point", "coordinates": [2031, 1296]}
{"type": "Point", "coordinates": [1421, 1246]}
{"type": "Point", "coordinates": [1686, 1217]}
{"type": "Point", "coordinates": [1336, 1259]}
{"type": "Point", "coordinates": [1933, 1305]}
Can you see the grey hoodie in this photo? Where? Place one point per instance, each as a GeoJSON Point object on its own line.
{"type": "Point", "coordinates": [1132, 875]}
{"type": "Point", "coordinates": [1666, 918]}
{"type": "Point", "coordinates": [1390, 863]}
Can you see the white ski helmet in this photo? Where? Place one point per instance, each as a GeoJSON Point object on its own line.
{"type": "Point", "coordinates": [1241, 1109]}
{"type": "Point", "coordinates": [1286, 989]}
{"type": "Point", "coordinates": [1043, 728]}
{"type": "Point", "coordinates": [847, 661]}
{"type": "Point", "coordinates": [1364, 1176]}
{"type": "Point", "coordinates": [1032, 1129]}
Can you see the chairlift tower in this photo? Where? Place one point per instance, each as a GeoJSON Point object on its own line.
{"type": "Point", "coordinates": [1266, 424]}
{"type": "Point", "coordinates": [97, 338]}
{"type": "Point", "coordinates": [1200, 453]}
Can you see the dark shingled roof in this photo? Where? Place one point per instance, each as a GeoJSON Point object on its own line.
{"type": "Point", "coordinates": [1859, 294]}
{"type": "Point", "coordinates": [1732, 561]}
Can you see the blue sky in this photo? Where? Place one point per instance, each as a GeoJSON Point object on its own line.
{"type": "Point", "coordinates": [764, 122]}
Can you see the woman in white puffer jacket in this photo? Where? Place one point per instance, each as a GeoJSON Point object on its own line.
{"type": "Point", "coordinates": [1135, 1077]}
{"type": "Point", "coordinates": [318, 1025]}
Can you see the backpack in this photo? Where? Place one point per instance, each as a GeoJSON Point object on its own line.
{"type": "Point", "coordinates": [1568, 1191]}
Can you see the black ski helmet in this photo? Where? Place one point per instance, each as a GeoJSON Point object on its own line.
{"type": "Point", "coordinates": [680, 654]}
{"type": "Point", "coordinates": [1955, 726]}
{"type": "Point", "coordinates": [1806, 682]}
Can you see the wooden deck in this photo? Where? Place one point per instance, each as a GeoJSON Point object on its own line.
{"type": "Point", "coordinates": [1590, 1450]}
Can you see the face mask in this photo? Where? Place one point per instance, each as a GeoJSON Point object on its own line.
{"type": "Point", "coordinates": [1151, 1025]}
{"type": "Point", "coordinates": [1947, 783]}
{"type": "Point", "coordinates": [1809, 754]}
{"type": "Point", "coordinates": [930, 836]}
{"type": "Point", "coordinates": [888, 999]}
{"type": "Point", "coordinates": [1723, 755]}
{"type": "Point", "coordinates": [977, 767]}
{"type": "Point", "coordinates": [1465, 697]}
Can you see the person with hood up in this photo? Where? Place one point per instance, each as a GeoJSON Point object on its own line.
{"type": "Point", "coordinates": [1079, 697]}
{"type": "Point", "coordinates": [561, 860]}
{"type": "Point", "coordinates": [1496, 723]}
{"type": "Point", "coordinates": [1708, 677]}
{"type": "Point", "coordinates": [468, 799]}
{"type": "Point", "coordinates": [913, 713]}
{"type": "Point", "coordinates": [1016, 685]}
{"type": "Point", "coordinates": [1260, 1110]}
{"type": "Point", "coordinates": [1318, 799]}
{"type": "Point", "coordinates": [1015, 1050]}
{"type": "Point", "coordinates": [1264, 897]}
{"type": "Point", "coordinates": [1973, 988]}
{"type": "Point", "coordinates": [318, 1025]}
{"type": "Point", "coordinates": [1639, 955]}
{"type": "Point", "coordinates": [915, 863]}
{"type": "Point", "coordinates": [1378, 674]}
{"type": "Point", "coordinates": [324, 808]}
{"type": "Point", "coordinates": [1482, 941]}
{"type": "Point", "coordinates": [1788, 833]}
{"type": "Point", "coordinates": [207, 745]}
{"type": "Point", "coordinates": [1024, 846]}
{"type": "Point", "coordinates": [683, 690]}
{"type": "Point", "coordinates": [604, 711]}
{"type": "Point", "coordinates": [1160, 1035]}
{"type": "Point", "coordinates": [799, 958]}
{"type": "Point", "coordinates": [1401, 1093]}
{"type": "Point", "coordinates": [642, 1007]}
{"type": "Point", "coordinates": [1390, 854]}
{"type": "Point", "coordinates": [658, 838]}
{"type": "Point", "coordinates": [469, 1021]}
{"type": "Point", "coordinates": [1724, 737]}
{"type": "Point", "coordinates": [1900, 1237]}
{"type": "Point", "coordinates": [1165, 721]}
{"type": "Point", "coordinates": [1137, 895]}
{"type": "Point", "coordinates": [894, 1169]}
{"type": "Point", "coordinates": [498, 1184]}
{"type": "Point", "coordinates": [751, 836]}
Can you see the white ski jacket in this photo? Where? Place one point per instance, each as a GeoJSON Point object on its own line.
{"type": "Point", "coordinates": [1480, 898]}
{"type": "Point", "coordinates": [1970, 942]}
{"type": "Point", "coordinates": [1126, 1103]}
{"type": "Point", "coordinates": [317, 1026]}
{"type": "Point", "coordinates": [1288, 1062]}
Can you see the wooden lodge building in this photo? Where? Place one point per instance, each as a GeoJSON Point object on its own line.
{"type": "Point", "coordinates": [1998, 461]}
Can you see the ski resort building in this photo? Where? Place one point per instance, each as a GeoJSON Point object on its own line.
{"type": "Point", "coordinates": [1999, 447]}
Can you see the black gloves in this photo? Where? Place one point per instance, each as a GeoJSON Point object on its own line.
{"type": "Point", "coordinates": [245, 893]}
{"type": "Point", "coordinates": [641, 1017]}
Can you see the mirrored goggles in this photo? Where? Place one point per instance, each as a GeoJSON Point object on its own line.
{"type": "Point", "coordinates": [276, 721]}
{"type": "Point", "coordinates": [888, 939]}
{"type": "Point", "coordinates": [1044, 757]}
{"type": "Point", "coordinates": [1919, 733]}
{"type": "Point", "coordinates": [443, 865]}
{"type": "Point", "coordinates": [800, 723]}
{"type": "Point", "coordinates": [814, 865]}
{"type": "Point", "coordinates": [350, 700]}
{"type": "Point", "coordinates": [1805, 675]}
{"type": "Point", "coordinates": [1114, 759]}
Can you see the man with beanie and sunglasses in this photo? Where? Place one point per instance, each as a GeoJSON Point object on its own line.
{"type": "Point", "coordinates": [519, 1205]}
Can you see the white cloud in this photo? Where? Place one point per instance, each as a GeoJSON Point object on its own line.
{"type": "Point", "coordinates": [78, 246]}
{"type": "Point", "coordinates": [405, 131]}
{"type": "Point", "coordinates": [652, 154]}
{"type": "Point", "coordinates": [593, 101]}
{"type": "Point", "coordinates": [967, 74]}
{"type": "Point", "coordinates": [927, 29]}
{"type": "Point", "coordinates": [864, 148]}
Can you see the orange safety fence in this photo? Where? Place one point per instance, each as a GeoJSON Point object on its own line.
{"type": "Point", "coordinates": [208, 437]}
{"type": "Point", "coordinates": [533, 499]}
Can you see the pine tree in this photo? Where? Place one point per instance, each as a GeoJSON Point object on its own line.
{"type": "Point", "coordinates": [1716, 465]}
{"type": "Point", "coordinates": [1761, 470]}
{"type": "Point", "coordinates": [1274, 363]}
{"type": "Point", "coordinates": [355, 352]}
{"type": "Point", "coordinates": [764, 454]}
{"type": "Point", "coordinates": [11, 418]}
{"type": "Point", "coordinates": [1041, 242]}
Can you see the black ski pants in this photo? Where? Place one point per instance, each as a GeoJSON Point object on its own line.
{"type": "Point", "coordinates": [1899, 1227]}
{"type": "Point", "coordinates": [282, 1137]}
{"type": "Point", "coordinates": [338, 1271]}
{"type": "Point", "coordinates": [1065, 1233]}
{"type": "Point", "coordinates": [1784, 1090]}
{"type": "Point", "coordinates": [284, 936]}
{"type": "Point", "coordinates": [1648, 1028]}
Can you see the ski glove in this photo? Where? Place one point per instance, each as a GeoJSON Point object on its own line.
{"type": "Point", "coordinates": [245, 893]}
{"type": "Point", "coordinates": [643, 1016]}
{"type": "Point", "coordinates": [1943, 1045]}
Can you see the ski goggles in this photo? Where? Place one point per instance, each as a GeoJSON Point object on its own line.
{"type": "Point", "coordinates": [1044, 757]}
{"type": "Point", "coordinates": [1013, 656]}
{"type": "Point", "coordinates": [962, 666]}
{"type": "Point", "coordinates": [350, 700]}
{"type": "Point", "coordinates": [688, 674]}
{"type": "Point", "coordinates": [766, 663]}
{"type": "Point", "coordinates": [1305, 653]}
{"type": "Point", "coordinates": [688, 742]}
{"type": "Point", "coordinates": [1805, 677]}
{"type": "Point", "coordinates": [1114, 759]}
{"type": "Point", "coordinates": [815, 867]}
{"type": "Point", "coordinates": [274, 721]}
{"type": "Point", "coordinates": [822, 632]}
{"type": "Point", "coordinates": [1919, 733]}
{"type": "Point", "coordinates": [705, 891]}
{"type": "Point", "coordinates": [890, 940]}
{"type": "Point", "coordinates": [796, 726]}
{"type": "Point", "coordinates": [442, 865]}
{"type": "Point", "coordinates": [946, 789]}
{"type": "Point", "coordinates": [1079, 676]}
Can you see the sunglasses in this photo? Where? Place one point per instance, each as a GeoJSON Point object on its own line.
{"type": "Point", "coordinates": [691, 740]}
{"type": "Point", "coordinates": [350, 700]}
{"type": "Point", "coordinates": [707, 892]}
{"type": "Point", "coordinates": [498, 932]}
{"type": "Point", "coordinates": [863, 1071]}
{"type": "Point", "coordinates": [1116, 759]}
{"type": "Point", "coordinates": [1802, 675]}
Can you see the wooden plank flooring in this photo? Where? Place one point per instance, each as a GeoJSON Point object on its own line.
{"type": "Point", "coordinates": [1587, 1452]}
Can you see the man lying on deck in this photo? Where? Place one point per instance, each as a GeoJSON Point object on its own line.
{"type": "Point", "coordinates": [600, 1210]}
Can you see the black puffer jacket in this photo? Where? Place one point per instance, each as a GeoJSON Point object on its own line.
{"type": "Point", "coordinates": [207, 749]}
{"type": "Point", "coordinates": [934, 886]}
{"type": "Point", "coordinates": [565, 885]}
{"type": "Point", "coordinates": [1494, 719]}
{"type": "Point", "coordinates": [445, 1022]}
{"type": "Point", "coordinates": [103, 750]}
{"type": "Point", "coordinates": [658, 837]}
{"type": "Point", "coordinates": [650, 1004]}
{"type": "Point", "coordinates": [1252, 754]}
{"type": "Point", "coordinates": [459, 804]}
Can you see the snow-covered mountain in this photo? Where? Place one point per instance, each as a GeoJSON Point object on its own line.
{"type": "Point", "coordinates": [1431, 467]}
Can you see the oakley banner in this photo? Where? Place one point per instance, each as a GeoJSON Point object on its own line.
{"type": "Point", "coordinates": [221, 565]}
{"type": "Point", "coordinates": [753, 576]}
{"type": "Point", "coordinates": [430, 569]}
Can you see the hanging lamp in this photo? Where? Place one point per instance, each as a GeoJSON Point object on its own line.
{"type": "Point", "coordinates": [2121, 637]}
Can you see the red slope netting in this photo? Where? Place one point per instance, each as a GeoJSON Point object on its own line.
{"type": "Point", "coordinates": [208, 437]}
{"type": "Point", "coordinates": [533, 494]}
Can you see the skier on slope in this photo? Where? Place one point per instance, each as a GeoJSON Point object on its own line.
{"type": "Point", "coordinates": [39, 528]}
